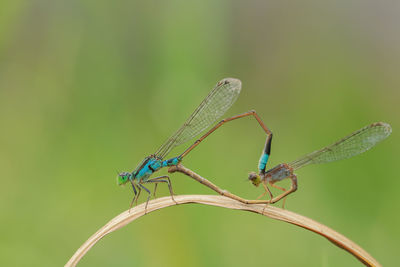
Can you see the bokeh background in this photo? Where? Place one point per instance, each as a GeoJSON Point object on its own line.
{"type": "Point", "coordinates": [91, 87]}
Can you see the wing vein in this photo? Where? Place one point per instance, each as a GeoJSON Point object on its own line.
{"type": "Point", "coordinates": [214, 105]}
{"type": "Point", "coordinates": [351, 145]}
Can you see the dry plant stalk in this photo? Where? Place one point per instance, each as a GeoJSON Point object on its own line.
{"type": "Point", "coordinates": [221, 201]}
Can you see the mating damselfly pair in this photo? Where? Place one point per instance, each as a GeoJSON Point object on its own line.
{"type": "Point", "coordinates": [216, 103]}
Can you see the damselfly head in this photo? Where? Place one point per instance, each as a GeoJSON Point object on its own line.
{"type": "Point", "coordinates": [254, 178]}
{"type": "Point", "coordinates": [123, 178]}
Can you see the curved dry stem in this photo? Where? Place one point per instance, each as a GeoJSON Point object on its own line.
{"type": "Point", "coordinates": [220, 201]}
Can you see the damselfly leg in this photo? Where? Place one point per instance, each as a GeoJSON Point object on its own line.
{"type": "Point", "coordinates": [162, 179]}
{"type": "Point", "coordinates": [282, 189]}
{"type": "Point", "coordinates": [266, 190]}
{"type": "Point", "coordinates": [148, 197]}
{"type": "Point", "coordinates": [136, 196]}
{"type": "Point", "coordinates": [292, 189]}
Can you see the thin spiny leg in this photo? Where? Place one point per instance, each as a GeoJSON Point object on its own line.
{"type": "Point", "coordinates": [249, 113]}
{"type": "Point", "coordinates": [284, 190]}
{"type": "Point", "coordinates": [163, 179]}
{"type": "Point", "coordinates": [269, 192]}
{"type": "Point", "coordinates": [155, 186]}
{"type": "Point", "coordinates": [135, 196]}
{"type": "Point", "coordinates": [266, 190]}
{"type": "Point", "coordinates": [277, 187]}
{"type": "Point", "coordinates": [262, 195]}
{"type": "Point", "coordinates": [291, 190]}
{"type": "Point", "coordinates": [155, 189]}
{"type": "Point", "coordinates": [284, 202]}
{"type": "Point", "coordinates": [148, 198]}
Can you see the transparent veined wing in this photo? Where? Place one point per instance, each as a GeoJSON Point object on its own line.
{"type": "Point", "coordinates": [216, 103]}
{"type": "Point", "coordinates": [353, 144]}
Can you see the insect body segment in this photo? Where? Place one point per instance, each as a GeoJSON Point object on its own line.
{"type": "Point", "coordinates": [263, 162]}
{"type": "Point", "coordinates": [151, 165]}
{"type": "Point", "coordinates": [266, 152]}
{"type": "Point", "coordinates": [278, 173]}
{"type": "Point", "coordinates": [171, 162]}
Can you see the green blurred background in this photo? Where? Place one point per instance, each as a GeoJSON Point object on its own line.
{"type": "Point", "coordinates": [91, 87]}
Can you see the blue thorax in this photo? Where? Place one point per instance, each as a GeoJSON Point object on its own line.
{"type": "Point", "coordinates": [152, 164]}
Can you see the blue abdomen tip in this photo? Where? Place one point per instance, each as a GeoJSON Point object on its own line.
{"type": "Point", "coordinates": [263, 162]}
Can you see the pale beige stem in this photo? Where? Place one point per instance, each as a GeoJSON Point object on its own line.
{"type": "Point", "coordinates": [220, 201]}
